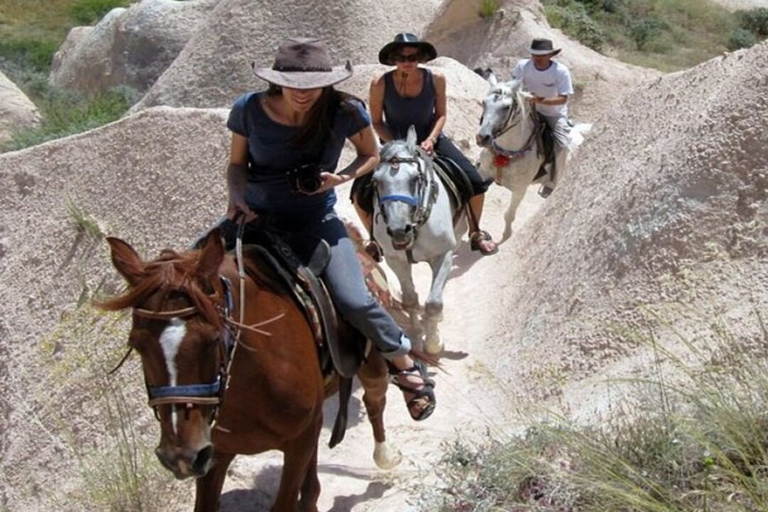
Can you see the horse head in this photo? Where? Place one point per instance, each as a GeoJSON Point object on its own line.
{"type": "Point", "coordinates": [404, 188]}
{"type": "Point", "coordinates": [179, 333]}
{"type": "Point", "coordinates": [504, 107]}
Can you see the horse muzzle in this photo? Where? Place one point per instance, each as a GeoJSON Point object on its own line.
{"type": "Point", "coordinates": [402, 239]}
{"type": "Point", "coordinates": [186, 462]}
{"type": "Point", "coordinates": [483, 141]}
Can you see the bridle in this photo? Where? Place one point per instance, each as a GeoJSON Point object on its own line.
{"type": "Point", "coordinates": [512, 154]}
{"type": "Point", "coordinates": [189, 395]}
{"type": "Point", "coordinates": [212, 393]}
{"type": "Point", "coordinates": [424, 196]}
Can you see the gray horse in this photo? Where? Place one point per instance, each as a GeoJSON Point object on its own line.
{"type": "Point", "coordinates": [414, 221]}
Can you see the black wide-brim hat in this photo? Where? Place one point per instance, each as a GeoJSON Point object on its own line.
{"type": "Point", "coordinates": [405, 40]}
{"type": "Point", "coordinates": [543, 47]}
{"type": "Point", "coordinates": [303, 63]}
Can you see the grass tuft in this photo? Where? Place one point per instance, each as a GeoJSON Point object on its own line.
{"type": "Point", "coordinates": [488, 8]}
{"type": "Point", "coordinates": [698, 442]}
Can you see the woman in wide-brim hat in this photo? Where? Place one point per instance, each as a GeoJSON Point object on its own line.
{"type": "Point", "coordinates": [412, 94]}
{"type": "Point", "coordinates": [286, 145]}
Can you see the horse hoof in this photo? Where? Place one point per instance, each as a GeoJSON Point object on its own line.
{"type": "Point", "coordinates": [433, 347]}
{"type": "Point", "coordinates": [386, 456]}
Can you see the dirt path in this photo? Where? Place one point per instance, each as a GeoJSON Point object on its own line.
{"type": "Point", "coordinates": [467, 406]}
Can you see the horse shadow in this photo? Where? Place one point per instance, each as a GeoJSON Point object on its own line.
{"type": "Point", "coordinates": [257, 499]}
{"type": "Point", "coordinates": [266, 482]}
{"type": "Point", "coordinates": [463, 260]}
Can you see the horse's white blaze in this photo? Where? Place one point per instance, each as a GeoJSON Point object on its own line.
{"type": "Point", "coordinates": [170, 341]}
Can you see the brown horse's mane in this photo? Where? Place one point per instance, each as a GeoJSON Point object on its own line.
{"type": "Point", "coordinates": [175, 272]}
{"type": "Point", "coordinates": [171, 272]}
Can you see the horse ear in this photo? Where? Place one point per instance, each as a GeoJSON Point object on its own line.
{"type": "Point", "coordinates": [126, 260]}
{"type": "Point", "coordinates": [211, 256]}
{"type": "Point", "coordinates": [492, 79]}
{"type": "Point", "coordinates": [411, 138]}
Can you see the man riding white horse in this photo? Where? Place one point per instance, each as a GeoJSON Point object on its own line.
{"type": "Point", "coordinates": [550, 84]}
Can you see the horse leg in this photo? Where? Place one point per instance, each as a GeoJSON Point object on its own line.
{"type": "Point", "coordinates": [373, 376]}
{"type": "Point", "coordinates": [208, 487]}
{"type": "Point", "coordinates": [433, 307]}
{"type": "Point", "coordinates": [402, 269]}
{"type": "Point", "coordinates": [300, 473]}
{"type": "Point", "coordinates": [518, 193]}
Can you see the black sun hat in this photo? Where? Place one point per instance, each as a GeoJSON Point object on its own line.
{"type": "Point", "coordinates": [303, 63]}
{"type": "Point", "coordinates": [405, 40]}
{"type": "Point", "coordinates": [543, 47]}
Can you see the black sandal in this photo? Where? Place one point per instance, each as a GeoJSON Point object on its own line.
{"type": "Point", "coordinates": [424, 397]}
{"type": "Point", "coordinates": [479, 236]}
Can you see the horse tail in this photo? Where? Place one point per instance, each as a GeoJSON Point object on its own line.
{"type": "Point", "coordinates": [578, 131]}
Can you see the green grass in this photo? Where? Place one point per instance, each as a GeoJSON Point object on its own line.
{"type": "Point", "coordinates": [664, 34]}
{"type": "Point", "coordinates": [488, 8]}
{"type": "Point", "coordinates": [695, 443]}
{"type": "Point", "coordinates": [117, 472]}
{"type": "Point", "coordinates": [31, 31]}
{"type": "Point", "coordinates": [66, 113]}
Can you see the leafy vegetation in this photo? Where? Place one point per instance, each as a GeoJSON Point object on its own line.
{"type": "Point", "coordinates": [88, 12]}
{"type": "Point", "coordinates": [31, 32]}
{"type": "Point", "coordinates": [488, 8]}
{"type": "Point", "coordinates": [668, 35]}
{"type": "Point", "coordinates": [698, 443]}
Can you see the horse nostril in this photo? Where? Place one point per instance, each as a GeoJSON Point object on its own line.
{"type": "Point", "coordinates": [389, 232]}
{"type": "Point", "coordinates": [408, 228]}
{"type": "Point", "coordinates": [482, 140]}
{"type": "Point", "coordinates": [163, 460]}
{"type": "Point", "coordinates": [200, 464]}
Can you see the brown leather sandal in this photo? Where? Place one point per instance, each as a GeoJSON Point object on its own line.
{"type": "Point", "coordinates": [481, 241]}
{"type": "Point", "coordinates": [420, 399]}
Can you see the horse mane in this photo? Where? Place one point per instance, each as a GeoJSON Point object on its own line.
{"type": "Point", "coordinates": [171, 272]}
{"type": "Point", "coordinates": [391, 149]}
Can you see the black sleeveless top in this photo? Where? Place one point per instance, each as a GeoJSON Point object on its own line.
{"type": "Point", "coordinates": [400, 113]}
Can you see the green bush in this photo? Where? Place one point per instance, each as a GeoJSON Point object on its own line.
{"type": "Point", "coordinates": [89, 12]}
{"type": "Point", "coordinates": [573, 19]}
{"type": "Point", "coordinates": [755, 21]}
{"type": "Point", "coordinates": [643, 31]}
{"type": "Point", "coordinates": [741, 38]}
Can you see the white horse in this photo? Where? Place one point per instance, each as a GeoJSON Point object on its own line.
{"type": "Point", "coordinates": [414, 221]}
{"type": "Point", "coordinates": [508, 136]}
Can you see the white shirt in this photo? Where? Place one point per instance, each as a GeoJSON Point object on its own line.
{"type": "Point", "coordinates": [550, 83]}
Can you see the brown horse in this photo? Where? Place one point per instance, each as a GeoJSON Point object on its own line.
{"type": "Point", "coordinates": [216, 394]}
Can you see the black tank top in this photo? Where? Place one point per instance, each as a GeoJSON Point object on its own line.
{"type": "Point", "coordinates": [400, 113]}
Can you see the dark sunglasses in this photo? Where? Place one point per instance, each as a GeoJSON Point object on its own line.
{"type": "Point", "coordinates": [399, 57]}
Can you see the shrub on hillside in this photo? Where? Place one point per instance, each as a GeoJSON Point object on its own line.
{"type": "Point", "coordinates": [89, 12]}
{"type": "Point", "coordinates": [741, 38]}
{"type": "Point", "coordinates": [643, 31]}
{"type": "Point", "coordinates": [754, 20]}
{"type": "Point", "coordinates": [573, 19]}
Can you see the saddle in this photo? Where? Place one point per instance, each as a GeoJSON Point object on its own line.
{"type": "Point", "coordinates": [296, 262]}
